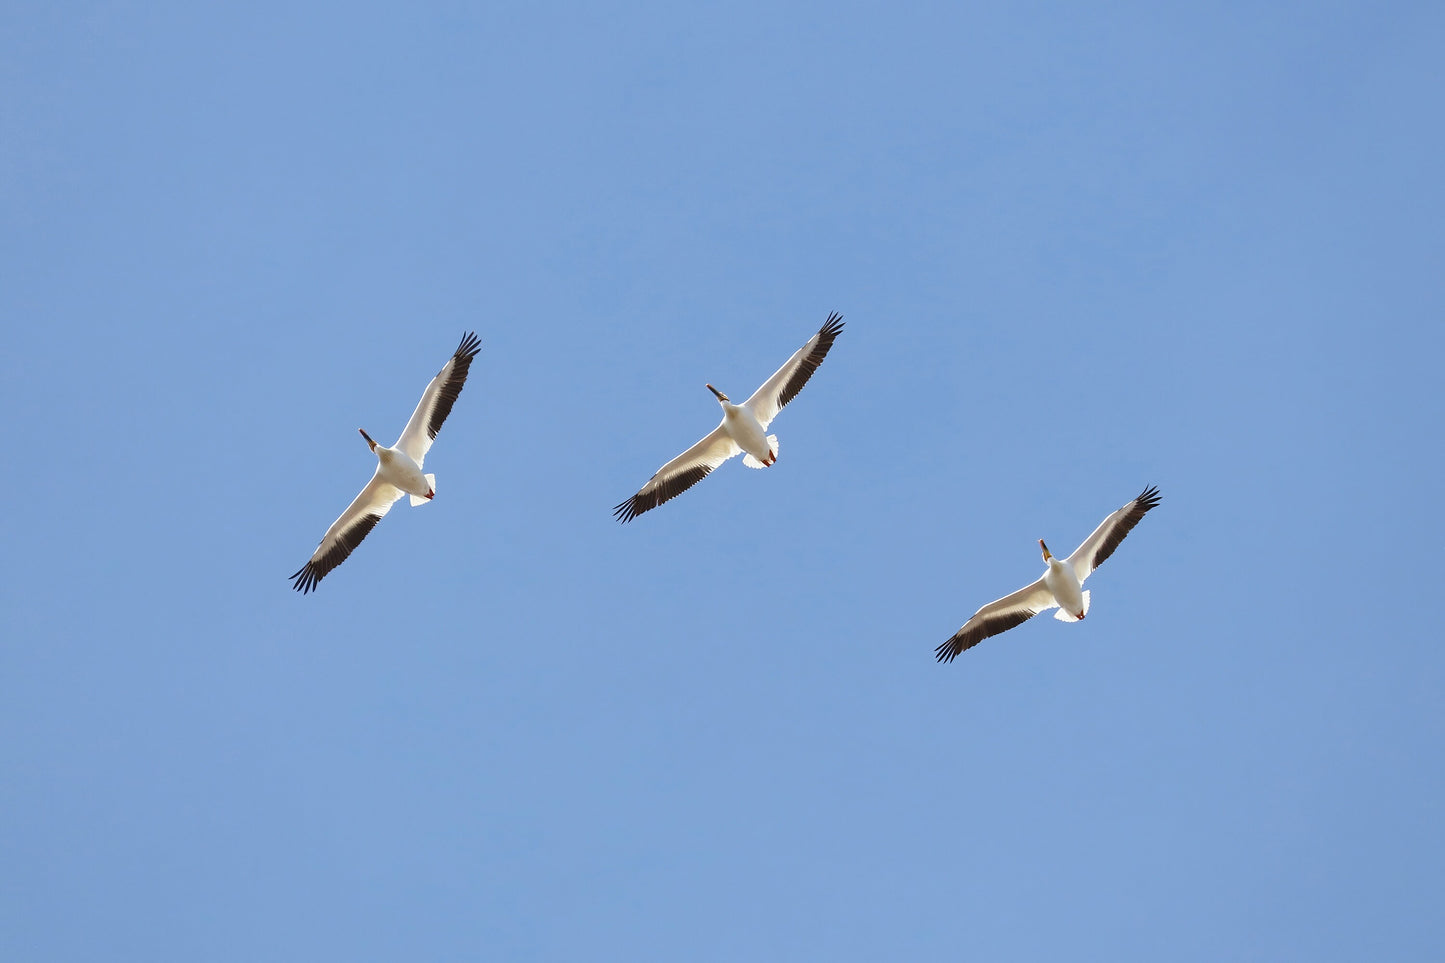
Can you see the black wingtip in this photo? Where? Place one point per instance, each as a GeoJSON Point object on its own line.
{"type": "Point", "coordinates": [304, 579]}
{"type": "Point", "coordinates": [1148, 498]}
{"type": "Point", "coordinates": [470, 346]}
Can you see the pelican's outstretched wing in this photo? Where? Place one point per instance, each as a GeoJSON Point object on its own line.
{"type": "Point", "coordinates": [1111, 531]}
{"type": "Point", "coordinates": [788, 380]}
{"type": "Point", "coordinates": [998, 616]}
{"type": "Point", "coordinates": [436, 402]}
{"type": "Point", "coordinates": [347, 531]}
{"type": "Point", "coordinates": [680, 474]}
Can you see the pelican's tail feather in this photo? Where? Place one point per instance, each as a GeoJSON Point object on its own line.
{"type": "Point", "coordinates": [431, 482]}
{"type": "Point", "coordinates": [752, 462]}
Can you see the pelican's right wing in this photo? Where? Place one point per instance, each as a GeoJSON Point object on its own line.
{"type": "Point", "coordinates": [680, 474]}
{"type": "Point", "coordinates": [1111, 531]}
{"type": "Point", "coordinates": [437, 400]}
{"type": "Point", "coordinates": [347, 531]}
{"type": "Point", "coordinates": [788, 380]}
{"type": "Point", "coordinates": [996, 617]}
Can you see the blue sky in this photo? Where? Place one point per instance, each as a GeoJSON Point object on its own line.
{"type": "Point", "coordinates": [1080, 249]}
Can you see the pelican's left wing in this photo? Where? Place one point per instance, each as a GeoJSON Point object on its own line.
{"type": "Point", "coordinates": [436, 402]}
{"type": "Point", "coordinates": [788, 380]}
{"type": "Point", "coordinates": [360, 517]}
{"type": "Point", "coordinates": [680, 474]}
{"type": "Point", "coordinates": [998, 616]}
{"type": "Point", "coordinates": [1111, 531]}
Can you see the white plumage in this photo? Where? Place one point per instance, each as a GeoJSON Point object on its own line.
{"type": "Point", "coordinates": [743, 429]}
{"type": "Point", "coordinates": [398, 469]}
{"type": "Point", "coordinates": [1061, 584]}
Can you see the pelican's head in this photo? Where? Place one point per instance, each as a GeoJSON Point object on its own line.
{"type": "Point", "coordinates": [1047, 554]}
{"type": "Point", "coordinates": [369, 442]}
{"type": "Point", "coordinates": [720, 396]}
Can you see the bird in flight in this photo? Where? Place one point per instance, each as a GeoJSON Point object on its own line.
{"type": "Point", "coordinates": [743, 429]}
{"type": "Point", "coordinates": [398, 469]}
{"type": "Point", "coordinates": [1060, 586]}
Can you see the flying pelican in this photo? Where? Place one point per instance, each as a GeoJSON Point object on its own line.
{"type": "Point", "coordinates": [1061, 584]}
{"type": "Point", "coordinates": [743, 428]}
{"type": "Point", "coordinates": [398, 469]}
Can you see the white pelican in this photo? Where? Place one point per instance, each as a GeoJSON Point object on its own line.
{"type": "Point", "coordinates": [743, 428]}
{"type": "Point", "coordinates": [1061, 584]}
{"type": "Point", "coordinates": [398, 469]}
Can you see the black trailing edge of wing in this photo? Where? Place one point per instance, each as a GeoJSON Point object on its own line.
{"type": "Point", "coordinates": [666, 490]}
{"type": "Point", "coordinates": [1147, 499]}
{"type": "Point", "coordinates": [827, 334]}
{"type": "Point", "coordinates": [967, 638]}
{"type": "Point", "coordinates": [316, 569]}
{"type": "Point", "coordinates": [460, 364]}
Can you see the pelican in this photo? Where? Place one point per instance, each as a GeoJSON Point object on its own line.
{"type": "Point", "coordinates": [1060, 586]}
{"type": "Point", "coordinates": [743, 429]}
{"type": "Point", "coordinates": [398, 469]}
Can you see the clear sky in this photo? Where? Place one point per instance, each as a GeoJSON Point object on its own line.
{"type": "Point", "coordinates": [1080, 249]}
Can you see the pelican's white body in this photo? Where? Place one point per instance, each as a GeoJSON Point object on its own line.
{"type": "Point", "coordinates": [1067, 590]}
{"type": "Point", "coordinates": [743, 428]}
{"type": "Point", "coordinates": [397, 468]}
